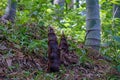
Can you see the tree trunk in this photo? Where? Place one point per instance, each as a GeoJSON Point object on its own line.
{"type": "Point", "coordinates": [116, 15]}
{"type": "Point", "coordinates": [62, 2]}
{"type": "Point", "coordinates": [93, 38]}
{"type": "Point", "coordinates": [71, 4]}
{"type": "Point", "coordinates": [77, 6]}
{"type": "Point", "coordinates": [10, 11]}
{"type": "Point", "coordinates": [59, 11]}
{"type": "Point", "coordinates": [116, 11]}
{"type": "Point", "coordinates": [116, 21]}
{"type": "Point", "coordinates": [59, 2]}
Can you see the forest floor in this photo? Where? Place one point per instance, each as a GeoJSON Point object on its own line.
{"type": "Point", "coordinates": [19, 66]}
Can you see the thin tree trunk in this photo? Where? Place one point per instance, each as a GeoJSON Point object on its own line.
{"type": "Point", "coordinates": [115, 26]}
{"type": "Point", "coordinates": [93, 38]}
{"type": "Point", "coordinates": [10, 11]}
{"type": "Point", "coordinates": [59, 2]}
{"type": "Point", "coordinates": [60, 11]}
{"type": "Point", "coordinates": [116, 14]}
{"type": "Point", "coordinates": [77, 6]}
{"type": "Point", "coordinates": [116, 11]}
{"type": "Point", "coordinates": [71, 5]}
{"type": "Point", "coordinates": [56, 2]}
{"type": "Point", "coordinates": [62, 2]}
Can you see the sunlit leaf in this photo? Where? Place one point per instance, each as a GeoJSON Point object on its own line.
{"type": "Point", "coordinates": [68, 1]}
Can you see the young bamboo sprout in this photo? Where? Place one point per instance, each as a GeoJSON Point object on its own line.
{"type": "Point", "coordinates": [53, 52]}
{"type": "Point", "coordinates": [66, 56]}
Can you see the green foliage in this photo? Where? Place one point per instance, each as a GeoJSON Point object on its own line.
{"type": "Point", "coordinates": [3, 4]}
{"type": "Point", "coordinates": [110, 34]}
{"type": "Point", "coordinates": [68, 1]}
{"type": "Point", "coordinates": [116, 2]}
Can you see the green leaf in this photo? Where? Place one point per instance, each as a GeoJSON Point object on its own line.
{"type": "Point", "coordinates": [68, 1]}
{"type": "Point", "coordinates": [116, 38]}
{"type": "Point", "coordinates": [118, 67]}
{"type": "Point", "coordinates": [116, 2]}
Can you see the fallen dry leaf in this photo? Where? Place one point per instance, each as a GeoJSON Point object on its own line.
{"type": "Point", "coordinates": [9, 62]}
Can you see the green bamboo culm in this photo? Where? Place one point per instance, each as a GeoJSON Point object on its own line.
{"type": "Point", "coordinates": [93, 36]}
{"type": "Point", "coordinates": [10, 10]}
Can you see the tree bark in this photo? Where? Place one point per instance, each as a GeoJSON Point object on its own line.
{"type": "Point", "coordinates": [77, 6]}
{"type": "Point", "coordinates": [59, 2]}
{"type": "Point", "coordinates": [116, 11]}
{"type": "Point", "coordinates": [71, 5]}
{"type": "Point", "coordinates": [59, 11]}
{"type": "Point", "coordinates": [10, 11]}
{"type": "Point", "coordinates": [93, 36]}
{"type": "Point", "coordinates": [62, 2]}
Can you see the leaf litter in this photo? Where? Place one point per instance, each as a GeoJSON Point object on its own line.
{"type": "Point", "coordinates": [27, 67]}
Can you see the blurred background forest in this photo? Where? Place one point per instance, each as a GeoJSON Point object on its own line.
{"type": "Point", "coordinates": [28, 36]}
